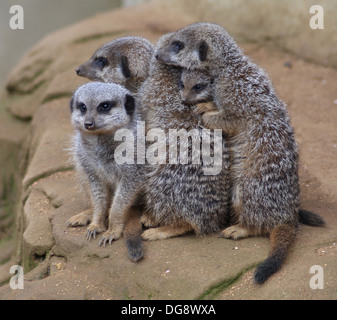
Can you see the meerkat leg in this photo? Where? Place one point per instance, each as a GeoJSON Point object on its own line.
{"type": "Point", "coordinates": [204, 107]}
{"type": "Point", "coordinates": [235, 232]}
{"type": "Point", "coordinates": [80, 219]}
{"type": "Point", "coordinates": [118, 212]}
{"type": "Point", "coordinates": [165, 232]}
{"type": "Point", "coordinates": [100, 200]}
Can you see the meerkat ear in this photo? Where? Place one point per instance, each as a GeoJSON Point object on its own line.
{"type": "Point", "coordinates": [125, 67]}
{"type": "Point", "coordinates": [203, 48]}
{"type": "Point", "coordinates": [72, 104]}
{"type": "Point", "coordinates": [130, 104]}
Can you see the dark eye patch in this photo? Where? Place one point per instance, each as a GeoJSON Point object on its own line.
{"type": "Point", "coordinates": [82, 107]}
{"type": "Point", "coordinates": [106, 106]}
{"type": "Point", "coordinates": [199, 87]}
{"type": "Point", "coordinates": [177, 46]}
{"type": "Point", "coordinates": [101, 62]}
{"type": "Point", "coordinates": [181, 85]}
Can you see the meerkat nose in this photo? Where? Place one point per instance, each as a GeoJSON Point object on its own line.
{"type": "Point", "coordinates": [78, 71]}
{"type": "Point", "coordinates": [184, 99]}
{"type": "Point", "coordinates": [89, 125]}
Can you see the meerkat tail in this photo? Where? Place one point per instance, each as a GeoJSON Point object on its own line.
{"type": "Point", "coordinates": [132, 232]}
{"type": "Point", "coordinates": [310, 218]}
{"type": "Point", "coordinates": [281, 237]}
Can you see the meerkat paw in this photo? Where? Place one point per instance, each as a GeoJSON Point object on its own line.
{"type": "Point", "coordinates": [204, 107]}
{"type": "Point", "coordinates": [81, 219]}
{"type": "Point", "coordinates": [211, 119]}
{"type": "Point", "coordinates": [166, 232]}
{"type": "Point", "coordinates": [94, 229]}
{"type": "Point", "coordinates": [235, 232]}
{"type": "Point", "coordinates": [146, 221]}
{"type": "Point", "coordinates": [110, 235]}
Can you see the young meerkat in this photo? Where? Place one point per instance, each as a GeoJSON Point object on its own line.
{"type": "Point", "coordinates": [197, 88]}
{"type": "Point", "coordinates": [265, 195]}
{"type": "Point", "coordinates": [180, 197]}
{"type": "Point", "coordinates": [98, 110]}
{"type": "Point", "coordinates": [123, 61]}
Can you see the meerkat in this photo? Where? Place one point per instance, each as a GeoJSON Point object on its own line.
{"type": "Point", "coordinates": [124, 61]}
{"type": "Point", "coordinates": [180, 198]}
{"type": "Point", "coordinates": [197, 88]}
{"type": "Point", "coordinates": [265, 195]}
{"type": "Point", "coordinates": [98, 110]}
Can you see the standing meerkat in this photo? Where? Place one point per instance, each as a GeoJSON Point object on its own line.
{"type": "Point", "coordinates": [265, 195]}
{"type": "Point", "coordinates": [125, 61]}
{"type": "Point", "coordinates": [98, 110]}
{"type": "Point", "coordinates": [180, 197]}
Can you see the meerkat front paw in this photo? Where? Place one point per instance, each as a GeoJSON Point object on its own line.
{"type": "Point", "coordinates": [109, 236]}
{"type": "Point", "coordinates": [80, 219]}
{"type": "Point", "coordinates": [235, 232]}
{"type": "Point", "coordinates": [165, 232]}
{"type": "Point", "coordinates": [94, 229]}
{"type": "Point", "coordinates": [211, 119]}
{"type": "Point", "coordinates": [204, 107]}
{"type": "Point", "coordinates": [152, 234]}
{"type": "Point", "coordinates": [147, 222]}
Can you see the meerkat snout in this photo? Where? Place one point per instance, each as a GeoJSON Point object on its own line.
{"type": "Point", "coordinates": [89, 124]}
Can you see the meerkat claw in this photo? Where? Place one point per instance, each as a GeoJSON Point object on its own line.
{"type": "Point", "coordinates": [108, 237]}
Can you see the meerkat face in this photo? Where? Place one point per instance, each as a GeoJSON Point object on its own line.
{"type": "Point", "coordinates": [106, 65]}
{"type": "Point", "coordinates": [182, 49]}
{"type": "Point", "coordinates": [119, 61]}
{"type": "Point", "coordinates": [195, 87]}
{"type": "Point", "coordinates": [101, 108]}
{"type": "Point", "coordinates": [178, 52]}
{"type": "Point", "coordinates": [193, 47]}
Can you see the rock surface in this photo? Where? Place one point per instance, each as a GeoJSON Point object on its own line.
{"type": "Point", "coordinates": [61, 264]}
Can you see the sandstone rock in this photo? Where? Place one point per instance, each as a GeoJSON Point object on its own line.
{"type": "Point", "coordinates": [37, 237]}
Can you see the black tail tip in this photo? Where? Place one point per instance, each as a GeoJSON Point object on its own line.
{"type": "Point", "coordinates": [266, 269]}
{"type": "Point", "coordinates": [260, 276]}
{"type": "Point", "coordinates": [310, 218]}
{"type": "Point", "coordinates": [135, 249]}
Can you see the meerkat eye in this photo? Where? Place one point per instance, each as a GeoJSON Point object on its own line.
{"type": "Point", "coordinates": [181, 85]}
{"type": "Point", "coordinates": [177, 46]}
{"type": "Point", "coordinates": [198, 87]}
{"type": "Point", "coordinates": [101, 62]}
{"type": "Point", "coordinates": [82, 107]}
{"type": "Point", "coordinates": [105, 106]}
